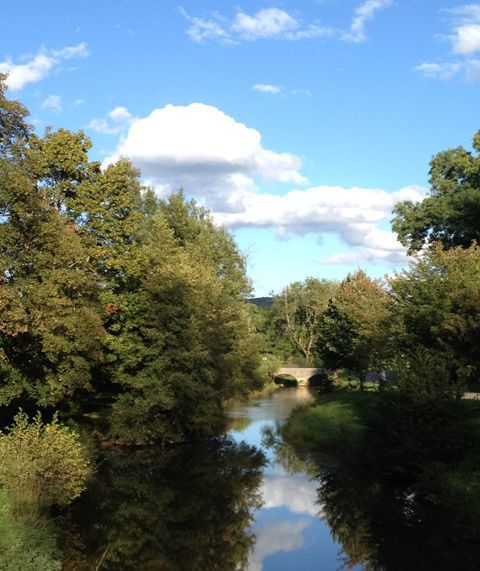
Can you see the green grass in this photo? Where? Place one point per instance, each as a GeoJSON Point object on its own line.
{"type": "Point", "coordinates": [26, 544]}
{"type": "Point", "coordinates": [335, 424]}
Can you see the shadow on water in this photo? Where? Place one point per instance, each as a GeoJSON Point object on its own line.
{"type": "Point", "coordinates": [184, 508]}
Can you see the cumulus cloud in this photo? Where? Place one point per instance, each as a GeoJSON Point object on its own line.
{"type": "Point", "coordinates": [221, 163]}
{"type": "Point", "coordinates": [364, 13]}
{"type": "Point", "coordinates": [53, 103]}
{"type": "Point", "coordinates": [117, 121]}
{"type": "Point", "coordinates": [214, 157]}
{"type": "Point", "coordinates": [274, 538]}
{"type": "Point", "coordinates": [355, 214]}
{"type": "Point", "coordinates": [466, 34]}
{"type": "Point", "coordinates": [39, 66]}
{"type": "Point", "coordinates": [267, 88]}
{"type": "Point", "coordinates": [465, 42]}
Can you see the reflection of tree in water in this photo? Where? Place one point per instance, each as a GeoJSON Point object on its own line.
{"type": "Point", "coordinates": [185, 508]}
{"type": "Point", "coordinates": [387, 529]}
{"type": "Point", "coordinates": [285, 455]}
{"type": "Point", "coordinates": [383, 527]}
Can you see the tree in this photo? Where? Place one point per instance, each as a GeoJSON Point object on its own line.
{"type": "Point", "coordinates": [437, 302]}
{"type": "Point", "coordinates": [188, 342]}
{"type": "Point", "coordinates": [354, 331]}
{"type": "Point", "coordinates": [297, 311]}
{"type": "Point", "coordinates": [451, 212]}
{"type": "Point", "coordinates": [108, 290]}
{"type": "Point", "coordinates": [50, 331]}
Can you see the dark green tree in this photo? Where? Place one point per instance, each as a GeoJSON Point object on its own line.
{"type": "Point", "coordinates": [450, 214]}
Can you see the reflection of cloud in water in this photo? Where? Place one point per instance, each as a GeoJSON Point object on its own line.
{"type": "Point", "coordinates": [275, 537]}
{"type": "Point", "coordinates": [297, 493]}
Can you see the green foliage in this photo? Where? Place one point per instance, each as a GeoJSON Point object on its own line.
{"type": "Point", "coordinates": [110, 296]}
{"type": "Point", "coordinates": [437, 307]}
{"type": "Point", "coordinates": [41, 465]}
{"type": "Point", "coordinates": [269, 365]}
{"type": "Point", "coordinates": [354, 331]}
{"type": "Point", "coordinates": [297, 311]}
{"type": "Point", "coordinates": [451, 212]}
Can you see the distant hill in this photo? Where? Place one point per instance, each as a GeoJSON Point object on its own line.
{"type": "Point", "coordinates": [261, 301]}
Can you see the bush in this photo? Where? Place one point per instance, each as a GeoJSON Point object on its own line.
{"type": "Point", "coordinates": [41, 465]}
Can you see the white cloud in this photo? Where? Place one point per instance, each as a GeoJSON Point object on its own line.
{"type": "Point", "coordinates": [39, 66]}
{"type": "Point", "coordinates": [197, 146]}
{"type": "Point", "coordinates": [119, 119]}
{"type": "Point", "coordinates": [274, 538]}
{"type": "Point", "coordinates": [268, 23]}
{"type": "Point", "coordinates": [465, 42]}
{"type": "Point", "coordinates": [202, 29]}
{"type": "Point", "coordinates": [469, 69]}
{"type": "Point", "coordinates": [220, 162]}
{"type": "Point", "coordinates": [362, 15]}
{"type": "Point", "coordinates": [53, 103]}
{"type": "Point", "coordinates": [355, 214]}
{"type": "Point", "coordinates": [445, 70]}
{"type": "Point", "coordinates": [466, 34]}
{"type": "Point", "coordinates": [267, 88]}
{"type": "Point", "coordinates": [275, 23]}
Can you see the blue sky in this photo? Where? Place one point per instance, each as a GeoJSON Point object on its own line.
{"type": "Point", "coordinates": [298, 124]}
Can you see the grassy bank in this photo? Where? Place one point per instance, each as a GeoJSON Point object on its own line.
{"type": "Point", "coordinates": [434, 448]}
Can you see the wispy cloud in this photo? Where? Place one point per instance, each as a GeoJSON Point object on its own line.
{"type": "Point", "coordinates": [278, 24]}
{"type": "Point", "coordinates": [53, 103]}
{"type": "Point", "coordinates": [267, 88]}
{"type": "Point", "coordinates": [363, 14]}
{"type": "Point", "coordinates": [118, 120]}
{"type": "Point", "coordinates": [37, 67]}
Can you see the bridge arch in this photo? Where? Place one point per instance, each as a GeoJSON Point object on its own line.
{"type": "Point", "coordinates": [286, 380]}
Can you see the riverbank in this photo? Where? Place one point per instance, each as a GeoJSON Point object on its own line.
{"type": "Point", "coordinates": [438, 456]}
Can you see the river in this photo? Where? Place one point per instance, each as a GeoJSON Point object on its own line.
{"type": "Point", "coordinates": [247, 500]}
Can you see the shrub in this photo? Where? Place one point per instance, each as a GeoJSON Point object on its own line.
{"type": "Point", "coordinates": [41, 465]}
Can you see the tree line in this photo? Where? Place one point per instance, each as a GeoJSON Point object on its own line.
{"type": "Point", "coordinates": [428, 311]}
{"type": "Point", "coordinates": [112, 300]}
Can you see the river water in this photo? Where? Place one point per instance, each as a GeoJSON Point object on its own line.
{"type": "Point", "coordinates": [248, 501]}
{"type": "Point", "coordinates": [288, 527]}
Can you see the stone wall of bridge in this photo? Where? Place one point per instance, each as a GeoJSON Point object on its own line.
{"type": "Point", "coordinates": [302, 374]}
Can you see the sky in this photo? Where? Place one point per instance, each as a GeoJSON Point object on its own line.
{"type": "Point", "coordinates": [298, 124]}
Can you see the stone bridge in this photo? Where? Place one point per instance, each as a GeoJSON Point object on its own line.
{"type": "Point", "coordinates": [302, 374]}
